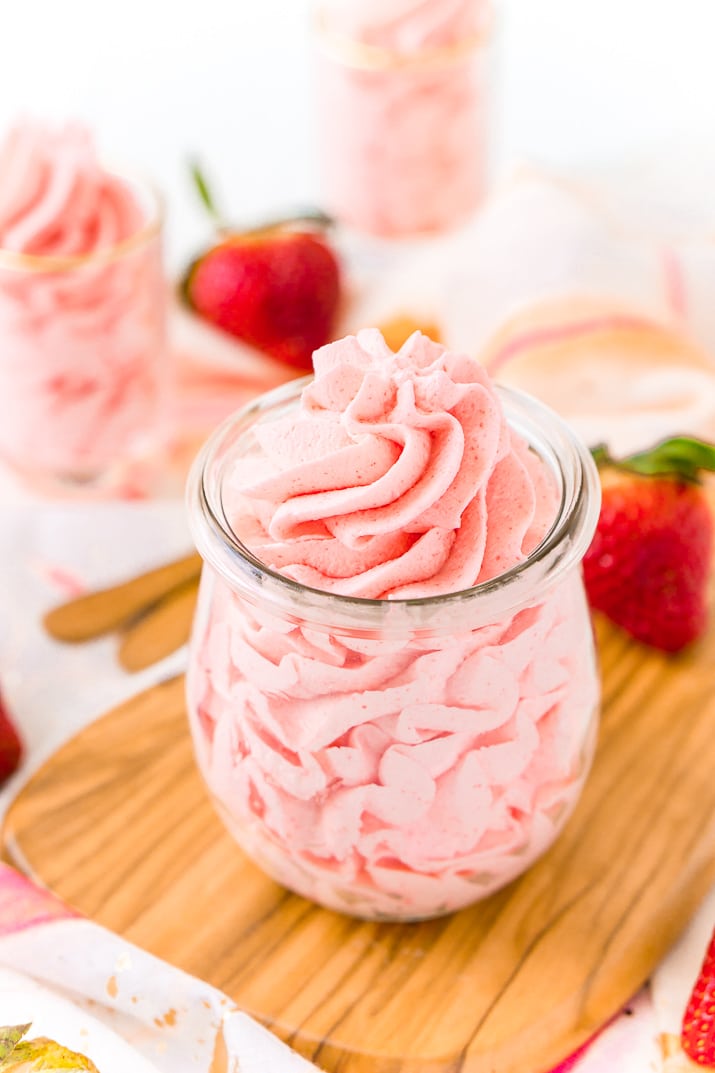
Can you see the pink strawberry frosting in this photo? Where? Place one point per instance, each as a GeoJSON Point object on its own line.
{"type": "Point", "coordinates": [399, 477]}
{"type": "Point", "coordinates": [422, 758]}
{"type": "Point", "coordinates": [81, 314]}
{"type": "Point", "coordinates": [403, 103]}
{"type": "Point", "coordinates": [55, 200]}
{"type": "Point", "coordinates": [407, 26]}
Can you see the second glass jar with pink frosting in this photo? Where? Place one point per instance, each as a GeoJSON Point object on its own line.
{"type": "Point", "coordinates": [82, 311]}
{"type": "Point", "coordinates": [403, 93]}
{"type": "Point", "coordinates": [392, 688]}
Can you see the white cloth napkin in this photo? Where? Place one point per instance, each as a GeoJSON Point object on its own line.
{"type": "Point", "coordinates": [93, 992]}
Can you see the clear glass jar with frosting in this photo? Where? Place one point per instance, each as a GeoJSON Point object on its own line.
{"type": "Point", "coordinates": [82, 311]}
{"type": "Point", "coordinates": [378, 732]}
{"type": "Point", "coordinates": [403, 102]}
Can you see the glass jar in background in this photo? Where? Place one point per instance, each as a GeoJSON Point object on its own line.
{"type": "Point", "coordinates": [83, 349]}
{"type": "Point", "coordinates": [403, 104]}
{"type": "Point", "coordinates": [394, 759]}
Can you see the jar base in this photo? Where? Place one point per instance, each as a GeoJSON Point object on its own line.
{"type": "Point", "coordinates": [306, 882]}
{"type": "Point", "coordinates": [139, 474]}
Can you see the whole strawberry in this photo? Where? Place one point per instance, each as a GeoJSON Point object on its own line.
{"type": "Point", "coordinates": [10, 744]}
{"type": "Point", "coordinates": [276, 287]}
{"type": "Point", "coordinates": [697, 1034]}
{"type": "Point", "coordinates": [648, 565]}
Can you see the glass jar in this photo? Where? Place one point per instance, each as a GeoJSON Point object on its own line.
{"type": "Point", "coordinates": [395, 760]}
{"type": "Point", "coordinates": [403, 101]}
{"type": "Point", "coordinates": [83, 355]}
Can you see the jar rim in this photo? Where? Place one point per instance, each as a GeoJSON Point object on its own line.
{"type": "Point", "coordinates": [362, 56]}
{"type": "Point", "coordinates": [563, 546]}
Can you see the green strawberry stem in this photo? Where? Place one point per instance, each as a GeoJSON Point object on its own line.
{"type": "Point", "coordinates": [684, 457]}
{"type": "Point", "coordinates": [315, 217]}
{"type": "Point", "coordinates": [204, 192]}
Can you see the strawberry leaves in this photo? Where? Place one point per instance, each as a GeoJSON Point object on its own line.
{"type": "Point", "coordinates": [20, 1055]}
{"type": "Point", "coordinates": [684, 457]}
{"type": "Point", "coordinates": [10, 1036]}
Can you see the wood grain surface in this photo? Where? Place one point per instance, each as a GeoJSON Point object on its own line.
{"type": "Point", "coordinates": [165, 627]}
{"type": "Point", "coordinates": [118, 824]}
{"type": "Point", "coordinates": [97, 613]}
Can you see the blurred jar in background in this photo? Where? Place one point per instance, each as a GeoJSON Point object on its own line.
{"type": "Point", "coordinates": [403, 100]}
{"type": "Point", "coordinates": [82, 309]}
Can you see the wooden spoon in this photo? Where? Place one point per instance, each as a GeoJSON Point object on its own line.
{"type": "Point", "coordinates": [163, 629]}
{"type": "Point", "coordinates": [99, 613]}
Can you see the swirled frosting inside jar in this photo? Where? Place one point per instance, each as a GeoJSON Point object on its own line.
{"type": "Point", "coordinates": [56, 199]}
{"type": "Point", "coordinates": [398, 478]}
{"type": "Point", "coordinates": [409, 763]}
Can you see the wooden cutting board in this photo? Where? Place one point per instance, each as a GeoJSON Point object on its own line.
{"type": "Point", "coordinates": [119, 825]}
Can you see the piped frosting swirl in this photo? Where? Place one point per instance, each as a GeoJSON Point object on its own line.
{"type": "Point", "coordinates": [398, 478]}
{"type": "Point", "coordinates": [56, 200]}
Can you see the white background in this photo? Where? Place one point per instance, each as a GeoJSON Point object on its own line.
{"type": "Point", "coordinates": [581, 82]}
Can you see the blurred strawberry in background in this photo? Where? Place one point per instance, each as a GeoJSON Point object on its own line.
{"type": "Point", "coordinates": [277, 287]}
{"type": "Point", "coordinates": [10, 744]}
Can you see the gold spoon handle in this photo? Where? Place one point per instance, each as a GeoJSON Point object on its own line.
{"type": "Point", "coordinates": [101, 612]}
{"type": "Point", "coordinates": [161, 630]}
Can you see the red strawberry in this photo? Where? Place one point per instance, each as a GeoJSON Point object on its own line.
{"type": "Point", "coordinates": [648, 565]}
{"type": "Point", "coordinates": [276, 287]}
{"type": "Point", "coordinates": [10, 744]}
{"type": "Point", "coordinates": [697, 1034]}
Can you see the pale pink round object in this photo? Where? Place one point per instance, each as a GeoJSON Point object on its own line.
{"type": "Point", "coordinates": [392, 686]}
{"type": "Point", "coordinates": [82, 308]}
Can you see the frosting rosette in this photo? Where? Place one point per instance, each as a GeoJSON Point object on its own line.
{"type": "Point", "coordinates": [392, 687]}
{"type": "Point", "coordinates": [81, 306]}
{"type": "Point", "coordinates": [56, 200]}
{"type": "Point", "coordinates": [398, 478]}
